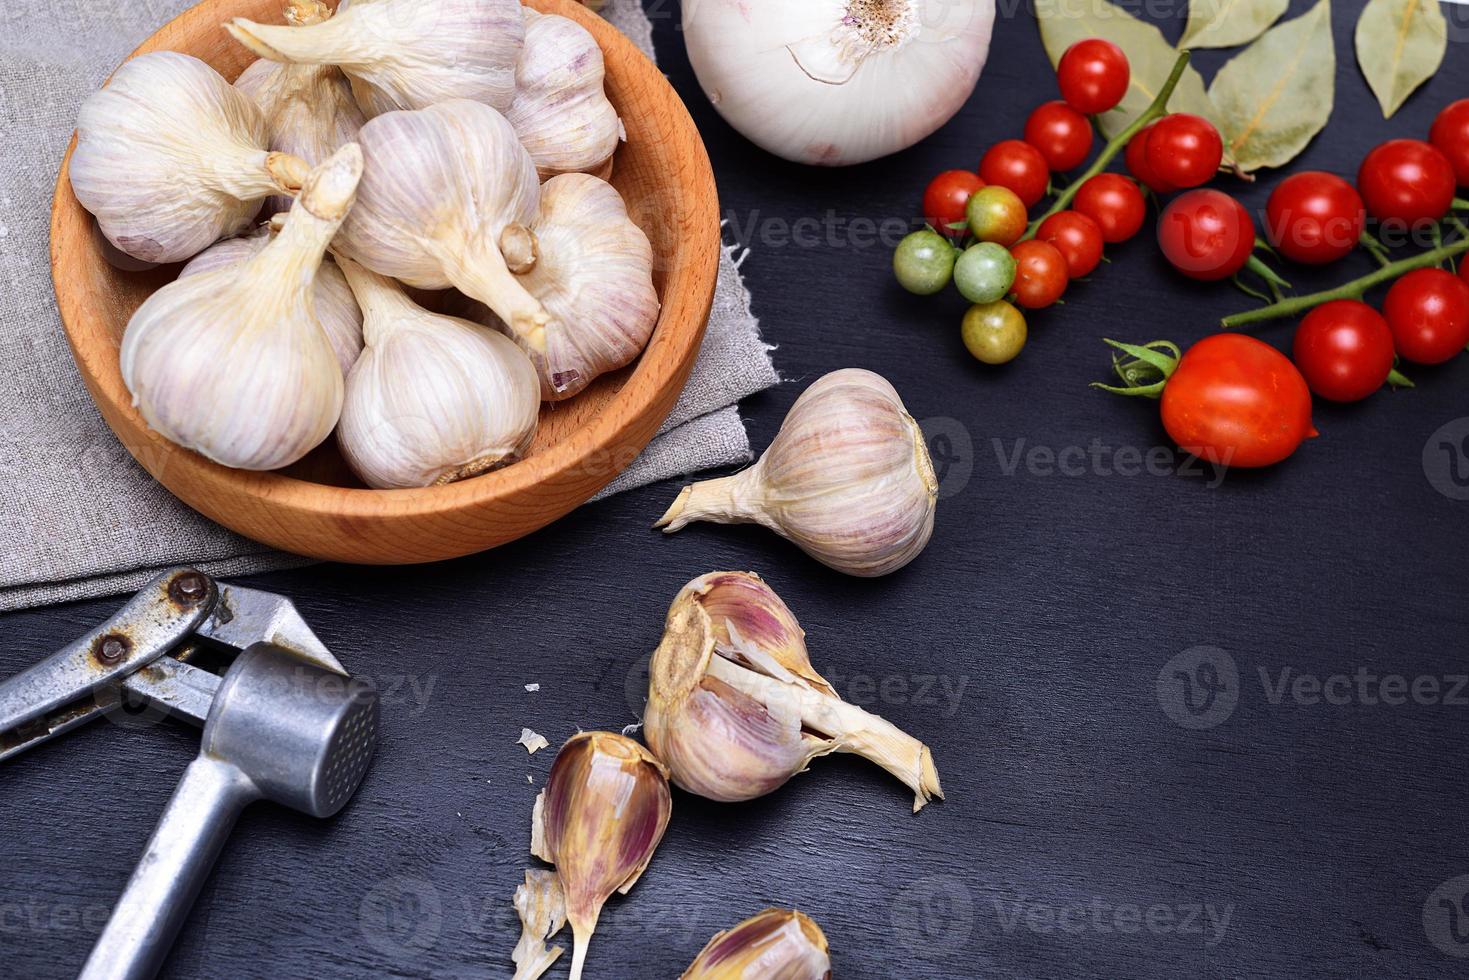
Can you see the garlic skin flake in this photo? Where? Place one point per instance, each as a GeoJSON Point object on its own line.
{"type": "Point", "coordinates": [170, 158]}
{"type": "Point", "coordinates": [336, 308]}
{"type": "Point", "coordinates": [776, 944]}
{"type": "Point", "coordinates": [542, 911]}
{"type": "Point", "coordinates": [837, 82]}
{"type": "Point", "coordinates": [847, 478]}
{"type": "Point", "coordinates": [405, 54]}
{"type": "Point", "coordinates": [234, 363]}
{"type": "Point", "coordinates": [432, 399]}
{"type": "Point", "coordinates": [560, 110]}
{"type": "Point", "coordinates": [600, 818]}
{"type": "Point", "coordinates": [735, 708]}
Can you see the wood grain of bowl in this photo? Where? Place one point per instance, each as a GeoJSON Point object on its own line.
{"type": "Point", "coordinates": [317, 507]}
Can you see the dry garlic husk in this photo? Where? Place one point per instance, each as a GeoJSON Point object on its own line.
{"type": "Point", "coordinates": [445, 190]}
{"type": "Point", "coordinates": [336, 308]}
{"type": "Point", "coordinates": [405, 54]}
{"type": "Point", "coordinates": [604, 809]}
{"type": "Point", "coordinates": [735, 708]}
{"type": "Point", "coordinates": [591, 267]}
{"type": "Point", "coordinates": [170, 158]}
{"type": "Point", "coordinates": [777, 944]}
{"type": "Point", "coordinates": [433, 399]}
{"type": "Point", "coordinates": [234, 363]}
{"type": "Point", "coordinates": [847, 478]}
{"type": "Point", "coordinates": [542, 911]}
{"type": "Point", "coordinates": [560, 110]}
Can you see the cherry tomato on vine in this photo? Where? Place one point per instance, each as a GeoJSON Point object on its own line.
{"type": "Point", "coordinates": [1019, 166]}
{"type": "Point", "coordinates": [1063, 135]}
{"type": "Point", "coordinates": [1314, 217]}
{"type": "Point", "coordinates": [1078, 239]}
{"type": "Point", "coordinates": [923, 262]}
{"type": "Point", "coordinates": [1206, 234]}
{"type": "Point", "coordinates": [1344, 350]}
{"type": "Point", "coordinates": [1428, 311]}
{"type": "Point", "coordinates": [944, 200]}
{"type": "Point", "coordinates": [1136, 158]}
{"type": "Point", "coordinates": [1114, 203]}
{"type": "Point", "coordinates": [984, 273]}
{"type": "Point", "coordinates": [1093, 75]}
{"type": "Point", "coordinates": [993, 332]}
{"type": "Point", "coordinates": [1184, 150]}
{"type": "Point", "coordinates": [1040, 274]}
{"type": "Point", "coordinates": [1450, 134]}
{"type": "Point", "coordinates": [1406, 181]}
{"type": "Point", "coordinates": [995, 214]}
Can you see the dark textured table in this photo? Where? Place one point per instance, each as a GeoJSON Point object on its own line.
{"type": "Point", "coordinates": [1050, 645]}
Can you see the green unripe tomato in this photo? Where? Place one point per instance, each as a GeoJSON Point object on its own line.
{"type": "Point", "coordinates": [996, 214]}
{"type": "Point", "coordinates": [985, 272]}
{"type": "Point", "coordinates": [994, 332]}
{"type": "Point", "coordinates": [924, 262]}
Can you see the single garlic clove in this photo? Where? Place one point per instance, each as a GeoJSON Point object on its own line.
{"type": "Point", "coordinates": [433, 399]}
{"type": "Point", "coordinates": [777, 944]}
{"type": "Point", "coordinates": [405, 54]}
{"type": "Point", "coordinates": [735, 708]}
{"type": "Point", "coordinates": [170, 158]}
{"type": "Point", "coordinates": [542, 911]}
{"type": "Point", "coordinates": [234, 363]}
{"type": "Point", "coordinates": [604, 809]}
{"type": "Point", "coordinates": [560, 110]}
{"type": "Point", "coordinates": [336, 308]}
{"type": "Point", "coordinates": [847, 478]}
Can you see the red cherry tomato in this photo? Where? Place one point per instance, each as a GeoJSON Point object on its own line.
{"type": "Point", "coordinates": [1450, 134]}
{"type": "Point", "coordinates": [1136, 158]}
{"type": "Point", "coordinates": [945, 198]}
{"type": "Point", "coordinates": [1114, 203]}
{"type": "Point", "coordinates": [1040, 274]}
{"type": "Point", "coordinates": [1206, 234]}
{"type": "Point", "coordinates": [1344, 350]}
{"type": "Point", "coordinates": [1406, 181]}
{"type": "Point", "coordinates": [1428, 311]}
{"type": "Point", "coordinates": [1063, 135]}
{"type": "Point", "coordinates": [1236, 401]}
{"type": "Point", "coordinates": [1314, 217]}
{"type": "Point", "coordinates": [1019, 166]}
{"type": "Point", "coordinates": [1184, 150]}
{"type": "Point", "coordinates": [1078, 239]}
{"type": "Point", "coordinates": [1093, 75]}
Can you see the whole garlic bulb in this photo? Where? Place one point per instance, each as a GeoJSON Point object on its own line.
{"type": "Point", "coordinates": [847, 478]}
{"type": "Point", "coordinates": [170, 158]}
{"type": "Point", "coordinates": [445, 189]}
{"type": "Point", "coordinates": [735, 708]}
{"type": "Point", "coordinates": [405, 54]}
{"type": "Point", "coordinates": [777, 944]}
{"type": "Point", "coordinates": [234, 363]}
{"type": "Point", "coordinates": [336, 308]}
{"type": "Point", "coordinates": [560, 110]}
{"type": "Point", "coordinates": [837, 82]}
{"type": "Point", "coordinates": [432, 399]}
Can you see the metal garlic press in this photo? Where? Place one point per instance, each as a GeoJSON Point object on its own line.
{"type": "Point", "coordinates": [283, 722]}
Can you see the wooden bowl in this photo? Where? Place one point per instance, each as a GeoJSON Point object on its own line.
{"type": "Point", "coordinates": [317, 507]}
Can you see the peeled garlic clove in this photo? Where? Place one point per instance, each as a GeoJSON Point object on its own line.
{"type": "Point", "coordinates": [560, 110]}
{"type": "Point", "coordinates": [777, 944]}
{"type": "Point", "coordinates": [604, 809]}
{"type": "Point", "coordinates": [170, 157]}
{"type": "Point", "coordinates": [847, 478]}
{"type": "Point", "coordinates": [405, 54]}
{"type": "Point", "coordinates": [234, 363]}
{"type": "Point", "coordinates": [442, 187]}
{"type": "Point", "coordinates": [735, 708]}
{"type": "Point", "coordinates": [433, 399]}
{"type": "Point", "coordinates": [336, 308]}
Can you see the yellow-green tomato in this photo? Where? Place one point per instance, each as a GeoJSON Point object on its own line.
{"type": "Point", "coordinates": [994, 332]}
{"type": "Point", "coordinates": [985, 272]}
{"type": "Point", "coordinates": [924, 262]}
{"type": "Point", "coordinates": [996, 214]}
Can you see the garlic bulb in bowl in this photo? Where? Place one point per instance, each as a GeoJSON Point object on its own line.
{"type": "Point", "coordinates": [233, 363]}
{"type": "Point", "coordinates": [837, 82]}
{"type": "Point", "coordinates": [560, 111]}
{"type": "Point", "coordinates": [433, 399]}
{"type": "Point", "coordinates": [170, 158]}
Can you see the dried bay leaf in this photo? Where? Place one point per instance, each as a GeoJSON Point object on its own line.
{"type": "Point", "coordinates": [1278, 93]}
{"type": "Point", "coordinates": [1400, 44]}
{"type": "Point", "coordinates": [1064, 22]}
{"type": "Point", "coordinates": [1228, 23]}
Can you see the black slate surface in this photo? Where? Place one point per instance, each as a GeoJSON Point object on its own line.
{"type": "Point", "coordinates": [1086, 833]}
